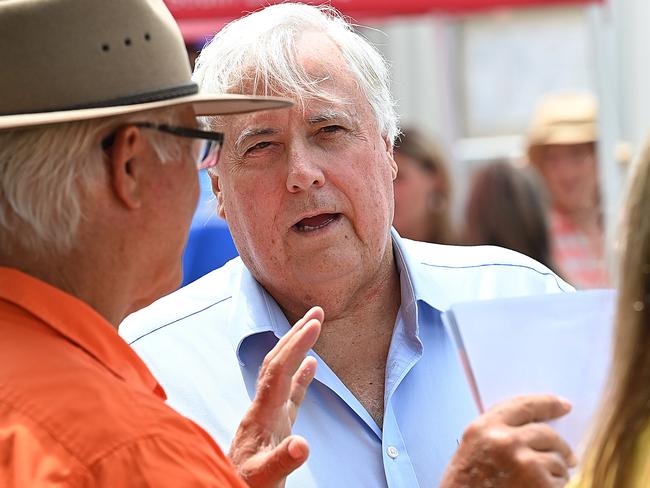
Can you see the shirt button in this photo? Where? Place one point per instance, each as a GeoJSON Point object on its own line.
{"type": "Point", "coordinates": [392, 452]}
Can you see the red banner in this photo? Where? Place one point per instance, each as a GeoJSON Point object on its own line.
{"type": "Point", "coordinates": [184, 9]}
{"type": "Point", "coordinates": [199, 18]}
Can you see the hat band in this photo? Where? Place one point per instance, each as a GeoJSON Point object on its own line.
{"type": "Point", "coordinates": [154, 96]}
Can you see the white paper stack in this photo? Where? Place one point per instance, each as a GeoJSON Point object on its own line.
{"type": "Point", "coordinates": [558, 343]}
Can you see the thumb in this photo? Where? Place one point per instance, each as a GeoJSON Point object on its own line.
{"type": "Point", "coordinates": [278, 463]}
{"type": "Point", "coordinates": [534, 408]}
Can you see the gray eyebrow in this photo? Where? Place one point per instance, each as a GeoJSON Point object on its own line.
{"type": "Point", "coordinates": [328, 116]}
{"type": "Point", "coordinates": [247, 133]}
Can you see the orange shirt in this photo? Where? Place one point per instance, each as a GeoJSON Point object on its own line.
{"type": "Point", "coordinates": [79, 408]}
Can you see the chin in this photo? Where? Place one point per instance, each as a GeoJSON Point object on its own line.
{"type": "Point", "coordinates": [328, 266]}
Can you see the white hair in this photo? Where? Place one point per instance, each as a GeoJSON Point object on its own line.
{"type": "Point", "coordinates": [258, 52]}
{"type": "Point", "coordinates": [45, 170]}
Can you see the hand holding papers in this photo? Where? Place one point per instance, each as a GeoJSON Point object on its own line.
{"type": "Point", "coordinates": [508, 447]}
{"type": "Point", "coordinates": [557, 344]}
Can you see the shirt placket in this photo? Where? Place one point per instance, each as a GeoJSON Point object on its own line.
{"type": "Point", "coordinates": [404, 354]}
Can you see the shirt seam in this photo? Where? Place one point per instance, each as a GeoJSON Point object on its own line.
{"type": "Point", "coordinates": [132, 442]}
{"type": "Point", "coordinates": [100, 456]}
{"type": "Point", "coordinates": [43, 427]}
{"type": "Point", "coordinates": [509, 265]}
{"type": "Point", "coordinates": [178, 320]}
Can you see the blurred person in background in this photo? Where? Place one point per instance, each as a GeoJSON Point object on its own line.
{"type": "Point", "coordinates": [619, 453]}
{"type": "Point", "coordinates": [562, 146]}
{"type": "Point", "coordinates": [308, 196]}
{"type": "Point", "coordinates": [422, 189]}
{"type": "Point", "coordinates": [98, 184]}
{"type": "Point", "coordinates": [507, 207]}
{"type": "Point", "coordinates": [209, 245]}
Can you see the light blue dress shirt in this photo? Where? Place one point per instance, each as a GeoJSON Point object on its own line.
{"type": "Point", "coordinates": [205, 344]}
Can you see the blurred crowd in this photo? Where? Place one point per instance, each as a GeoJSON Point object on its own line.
{"type": "Point", "coordinates": [351, 250]}
{"type": "Point", "coordinates": [546, 206]}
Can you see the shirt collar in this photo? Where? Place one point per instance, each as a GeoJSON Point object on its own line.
{"type": "Point", "coordinates": [422, 288]}
{"type": "Point", "coordinates": [416, 260]}
{"type": "Point", "coordinates": [255, 312]}
{"type": "Point", "coordinates": [78, 323]}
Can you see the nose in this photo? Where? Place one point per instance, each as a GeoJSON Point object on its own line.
{"type": "Point", "coordinates": [303, 171]}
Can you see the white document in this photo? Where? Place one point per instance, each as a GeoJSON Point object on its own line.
{"type": "Point", "coordinates": [559, 343]}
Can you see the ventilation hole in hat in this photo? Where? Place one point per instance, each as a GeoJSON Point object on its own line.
{"type": "Point", "coordinates": [106, 47]}
{"type": "Point", "coordinates": [147, 37]}
{"type": "Point", "coordinates": [127, 41]}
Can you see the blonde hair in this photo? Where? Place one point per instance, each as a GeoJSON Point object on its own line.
{"type": "Point", "coordinates": [45, 169]}
{"type": "Point", "coordinates": [258, 51]}
{"type": "Point", "coordinates": [625, 410]}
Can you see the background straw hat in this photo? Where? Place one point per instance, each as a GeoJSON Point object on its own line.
{"type": "Point", "coordinates": [569, 118]}
{"type": "Point", "coordinates": [68, 60]}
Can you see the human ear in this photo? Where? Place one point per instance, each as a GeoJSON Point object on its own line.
{"type": "Point", "coordinates": [221, 211]}
{"type": "Point", "coordinates": [391, 158]}
{"type": "Point", "coordinates": [126, 158]}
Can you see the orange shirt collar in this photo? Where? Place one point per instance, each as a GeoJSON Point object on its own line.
{"type": "Point", "coordinates": [79, 324]}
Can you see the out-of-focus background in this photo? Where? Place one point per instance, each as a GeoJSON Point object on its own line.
{"type": "Point", "coordinates": [468, 75]}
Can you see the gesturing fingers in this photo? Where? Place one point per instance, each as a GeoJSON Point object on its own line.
{"type": "Point", "coordinates": [268, 469]}
{"type": "Point", "coordinates": [282, 363]}
{"type": "Point", "coordinates": [299, 384]}
{"type": "Point", "coordinates": [314, 313]}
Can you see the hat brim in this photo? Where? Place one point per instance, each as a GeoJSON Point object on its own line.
{"type": "Point", "coordinates": [203, 105]}
{"type": "Point", "coordinates": [565, 134]}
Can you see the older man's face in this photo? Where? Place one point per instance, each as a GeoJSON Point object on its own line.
{"type": "Point", "coordinates": [308, 193]}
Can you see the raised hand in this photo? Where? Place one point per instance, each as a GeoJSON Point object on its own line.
{"type": "Point", "coordinates": [263, 451]}
{"type": "Point", "coordinates": [509, 446]}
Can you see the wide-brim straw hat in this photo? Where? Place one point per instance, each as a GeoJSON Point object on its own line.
{"type": "Point", "coordinates": [568, 118]}
{"type": "Point", "coordinates": [70, 60]}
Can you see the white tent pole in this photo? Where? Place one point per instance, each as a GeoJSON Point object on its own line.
{"type": "Point", "coordinates": [605, 46]}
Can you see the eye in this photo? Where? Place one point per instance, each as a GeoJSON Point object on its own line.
{"type": "Point", "coordinates": [330, 129]}
{"type": "Point", "coordinates": [258, 147]}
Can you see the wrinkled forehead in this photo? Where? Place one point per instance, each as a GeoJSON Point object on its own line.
{"type": "Point", "coordinates": [320, 83]}
{"type": "Point", "coordinates": [337, 102]}
{"type": "Point", "coordinates": [311, 112]}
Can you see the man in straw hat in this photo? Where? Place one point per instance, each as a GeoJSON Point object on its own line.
{"type": "Point", "coordinates": [98, 151]}
{"type": "Point", "coordinates": [562, 146]}
{"type": "Point", "coordinates": [308, 196]}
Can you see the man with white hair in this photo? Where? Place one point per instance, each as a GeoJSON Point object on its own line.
{"type": "Point", "coordinates": [308, 196]}
{"type": "Point", "coordinates": [99, 146]}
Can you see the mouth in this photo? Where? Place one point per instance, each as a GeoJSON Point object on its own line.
{"type": "Point", "coordinates": [316, 222]}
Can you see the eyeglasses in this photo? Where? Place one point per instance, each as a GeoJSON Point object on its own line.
{"type": "Point", "coordinates": [208, 156]}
